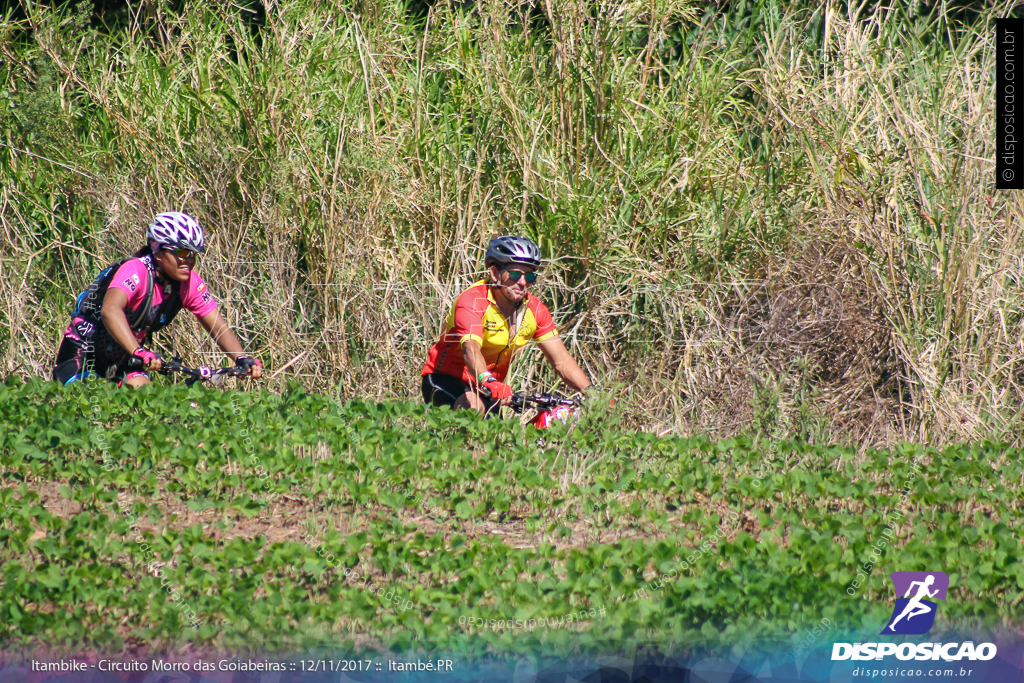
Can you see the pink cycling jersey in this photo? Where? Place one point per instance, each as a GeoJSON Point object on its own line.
{"type": "Point", "coordinates": [132, 279]}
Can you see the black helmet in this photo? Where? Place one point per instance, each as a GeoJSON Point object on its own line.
{"type": "Point", "coordinates": [512, 249]}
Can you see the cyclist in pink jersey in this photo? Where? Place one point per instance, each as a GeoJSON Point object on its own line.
{"type": "Point", "coordinates": [115, 317]}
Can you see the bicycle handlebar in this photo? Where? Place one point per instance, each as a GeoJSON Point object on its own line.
{"type": "Point", "coordinates": [520, 401]}
{"type": "Point", "coordinates": [541, 401]}
{"type": "Point", "coordinates": [204, 373]}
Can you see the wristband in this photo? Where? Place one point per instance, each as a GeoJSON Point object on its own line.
{"type": "Point", "coordinates": [485, 373]}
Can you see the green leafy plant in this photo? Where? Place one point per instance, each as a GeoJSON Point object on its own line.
{"type": "Point", "coordinates": [759, 560]}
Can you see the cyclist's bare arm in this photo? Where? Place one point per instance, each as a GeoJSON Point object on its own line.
{"type": "Point", "coordinates": [563, 363]}
{"type": "Point", "coordinates": [112, 313]}
{"type": "Point", "coordinates": [214, 323]}
{"type": "Point", "coordinates": [473, 356]}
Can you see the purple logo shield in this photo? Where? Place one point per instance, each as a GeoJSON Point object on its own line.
{"type": "Point", "coordinates": [915, 608]}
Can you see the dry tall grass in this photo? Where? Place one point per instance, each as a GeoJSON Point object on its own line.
{"type": "Point", "coordinates": [775, 213]}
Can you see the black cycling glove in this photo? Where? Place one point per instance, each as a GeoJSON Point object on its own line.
{"type": "Point", "coordinates": [247, 363]}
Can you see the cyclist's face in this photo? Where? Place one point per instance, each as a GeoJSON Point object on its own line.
{"type": "Point", "coordinates": [512, 290]}
{"type": "Point", "coordinates": [174, 266]}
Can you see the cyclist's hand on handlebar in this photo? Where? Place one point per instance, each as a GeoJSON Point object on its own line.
{"type": "Point", "coordinates": [250, 365]}
{"type": "Point", "coordinates": [150, 359]}
{"type": "Point", "coordinates": [499, 391]}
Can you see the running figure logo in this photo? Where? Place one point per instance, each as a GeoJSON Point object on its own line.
{"type": "Point", "coordinates": [915, 614]}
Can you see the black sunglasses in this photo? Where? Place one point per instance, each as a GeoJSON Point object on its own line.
{"type": "Point", "coordinates": [514, 276]}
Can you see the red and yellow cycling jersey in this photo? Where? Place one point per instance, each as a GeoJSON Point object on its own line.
{"type": "Point", "coordinates": [475, 316]}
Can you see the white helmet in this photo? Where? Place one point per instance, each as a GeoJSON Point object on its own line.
{"type": "Point", "coordinates": [176, 229]}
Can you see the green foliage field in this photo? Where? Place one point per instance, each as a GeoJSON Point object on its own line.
{"type": "Point", "coordinates": [73, 577]}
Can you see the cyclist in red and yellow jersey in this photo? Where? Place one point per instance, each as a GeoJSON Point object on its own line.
{"type": "Point", "coordinates": [487, 325]}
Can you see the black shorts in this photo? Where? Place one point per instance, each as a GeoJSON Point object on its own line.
{"type": "Point", "coordinates": [440, 389]}
{"type": "Point", "coordinates": [75, 362]}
